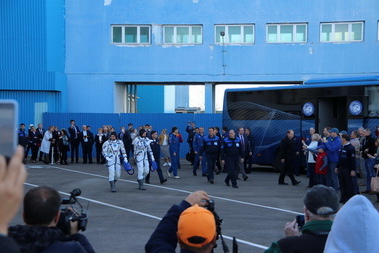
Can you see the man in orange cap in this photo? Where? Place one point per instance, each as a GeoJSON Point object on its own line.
{"type": "Point", "coordinates": [188, 223]}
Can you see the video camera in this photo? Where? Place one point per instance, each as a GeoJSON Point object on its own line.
{"type": "Point", "coordinates": [70, 214]}
{"type": "Point", "coordinates": [211, 208]}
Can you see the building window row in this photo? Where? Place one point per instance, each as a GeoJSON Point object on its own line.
{"type": "Point", "coordinates": [238, 34]}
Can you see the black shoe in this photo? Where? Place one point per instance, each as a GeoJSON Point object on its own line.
{"type": "Point", "coordinates": [235, 186]}
{"type": "Point", "coordinates": [218, 172]}
{"type": "Point", "coordinates": [210, 181]}
{"type": "Point", "coordinates": [296, 182]}
{"type": "Point", "coordinates": [41, 160]}
{"type": "Point", "coordinates": [194, 173]}
{"type": "Point", "coordinates": [245, 178]}
{"type": "Point", "coordinates": [283, 183]}
{"type": "Point", "coordinates": [227, 183]}
{"type": "Point", "coordinates": [147, 181]}
{"type": "Point", "coordinates": [164, 180]}
{"type": "Point", "coordinates": [204, 175]}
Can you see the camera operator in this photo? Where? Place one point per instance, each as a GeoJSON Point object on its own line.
{"type": "Point", "coordinates": [188, 223]}
{"type": "Point", "coordinates": [320, 205]}
{"type": "Point", "coordinates": [40, 234]}
{"type": "Point", "coordinates": [12, 178]}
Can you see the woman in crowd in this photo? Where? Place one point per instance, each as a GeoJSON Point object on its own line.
{"type": "Point", "coordinates": [46, 143]}
{"type": "Point", "coordinates": [163, 142]}
{"type": "Point", "coordinates": [311, 161]}
{"type": "Point", "coordinates": [63, 146]}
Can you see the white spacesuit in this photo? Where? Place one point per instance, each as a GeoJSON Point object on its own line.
{"type": "Point", "coordinates": [113, 150]}
{"type": "Point", "coordinates": [142, 151]}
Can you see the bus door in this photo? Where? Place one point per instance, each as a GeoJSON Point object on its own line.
{"type": "Point", "coordinates": [332, 112]}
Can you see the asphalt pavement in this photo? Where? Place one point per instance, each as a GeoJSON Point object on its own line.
{"type": "Point", "coordinates": [255, 213]}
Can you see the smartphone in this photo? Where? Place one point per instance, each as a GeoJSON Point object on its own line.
{"type": "Point", "coordinates": [8, 127]}
{"type": "Point", "coordinates": [300, 220]}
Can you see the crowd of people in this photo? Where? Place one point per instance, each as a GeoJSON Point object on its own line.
{"type": "Point", "coordinates": [338, 159]}
{"type": "Point", "coordinates": [229, 151]}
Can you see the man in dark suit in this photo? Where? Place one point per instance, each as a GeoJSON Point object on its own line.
{"type": "Point", "coordinates": [86, 138]}
{"type": "Point", "coordinates": [248, 161]}
{"type": "Point", "coordinates": [246, 151]}
{"type": "Point", "coordinates": [40, 134]}
{"type": "Point", "coordinates": [124, 136]}
{"type": "Point", "coordinates": [287, 155]}
{"type": "Point", "coordinates": [74, 140]}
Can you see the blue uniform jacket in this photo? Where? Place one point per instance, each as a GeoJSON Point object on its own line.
{"type": "Point", "coordinates": [164, 238]}
{"type": "Point", "coordinates": [210, 145]}
{"type": "Point", "coordinates": [198, 142]}
{"type": "Point", "coordinates": [231, 147]}
{"type": "Point", "coordinates": [173, 142]}
{"type": "Point", "coordinates": [333, 145]}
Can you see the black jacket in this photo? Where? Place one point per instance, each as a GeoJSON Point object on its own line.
{"type": "Point", "coordinates": [35, 239]}
{"type": "Point", "coordinates": [287, 149]}
{"type": "Point", "coordinates": [8, 245]}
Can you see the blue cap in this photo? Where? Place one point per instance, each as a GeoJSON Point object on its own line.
{"type": "Point", "coordinates": [334, 130]}
{"type": "Point", "coordinates": [343, 132]}
{"type": "Point", "coordinates": [322, 146]}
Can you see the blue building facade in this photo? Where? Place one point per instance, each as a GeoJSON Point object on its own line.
{"type": "Point", "coordinates": [171, 42]}
{"type": "Point", "coordinates": [32, 56]}
{"type": "Point", "coordinates": [100, 56]}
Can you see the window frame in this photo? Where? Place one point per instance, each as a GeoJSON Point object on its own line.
{"type": "Point", "coordinates": [226, 36]}
{"type": "Point", "coordinates": [294, 32]}
{"type": "Point", "coordinates": [190, 34]}
{"type": "Point", "coordinates": [350, 25]}
{"type": "Point", "coordinates": [138, 35]}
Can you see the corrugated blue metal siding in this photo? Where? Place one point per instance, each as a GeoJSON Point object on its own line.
{"type": "Point", "coordinates": [157, 120]}
{"type": "Point", "coordinates": [32, 38]}
{"type": "Point", "coordinates": [29, 100]}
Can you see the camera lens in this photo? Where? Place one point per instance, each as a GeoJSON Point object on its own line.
{"type": "Point", "coordinates": [76, 192]}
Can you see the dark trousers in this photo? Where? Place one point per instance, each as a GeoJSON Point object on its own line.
{"type": "Point", "coordinates": [75, 150]}
{"type": "Point", "coordinates": [312, 176]}
{"type": "Point", "coordinates": [159, 171]}
{"type": "Point", "coordinates": [63, 156]}
{"type": "Point", "coordinates": [211, 162]}
{"type": "Point", "coordinates": [232, 163]}
{"type": "Point", "coordinates": [346, 184]}
{"type": "Point", "coordinates": [99, 155]}
{"type": "Point", "coordinates": [34, 151]}
{"type": "Point", "coordinates": [321, 179]}
{"type": "Point", "coordinates": [27, 148]}
{"type": "Point", "coordinates": [248, 163]}
{"type": "Point", "coordinates": [286, 170]}
{"type": "Point", "coordinates": [87, 152]}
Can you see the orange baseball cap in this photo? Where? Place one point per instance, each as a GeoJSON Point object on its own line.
{"type": "Point", "coordinates": [196, 226]}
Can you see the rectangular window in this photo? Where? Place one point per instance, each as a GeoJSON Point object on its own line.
{"type": "Point", "coordinates": [130, 34]}
{"type": "Point", "coordinates": [183, 34]}
{"type": "Point", "coordinates": [286, 33]}
{"type": "Point", "coordinates": [341, 32]}
{"type": "Point", "coordinates": [234, 34]}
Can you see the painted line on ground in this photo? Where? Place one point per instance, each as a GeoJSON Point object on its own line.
{"type": "Point", "coordinates": [185, 191]}
{"type": "Point", "coordinates": [147, 215]}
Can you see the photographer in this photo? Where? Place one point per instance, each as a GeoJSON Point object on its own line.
{"type": "Point", "coordinates": [40, 234]}
{"type": "Point", "coordinates": [12, 178]}
{"type": "Point", "coordinates": [320, 205]}
{"type": "Point", "coordinates": [189, 224]}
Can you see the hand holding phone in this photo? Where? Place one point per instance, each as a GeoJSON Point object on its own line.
{"type": "Point", "coordinates": [8, 126]}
